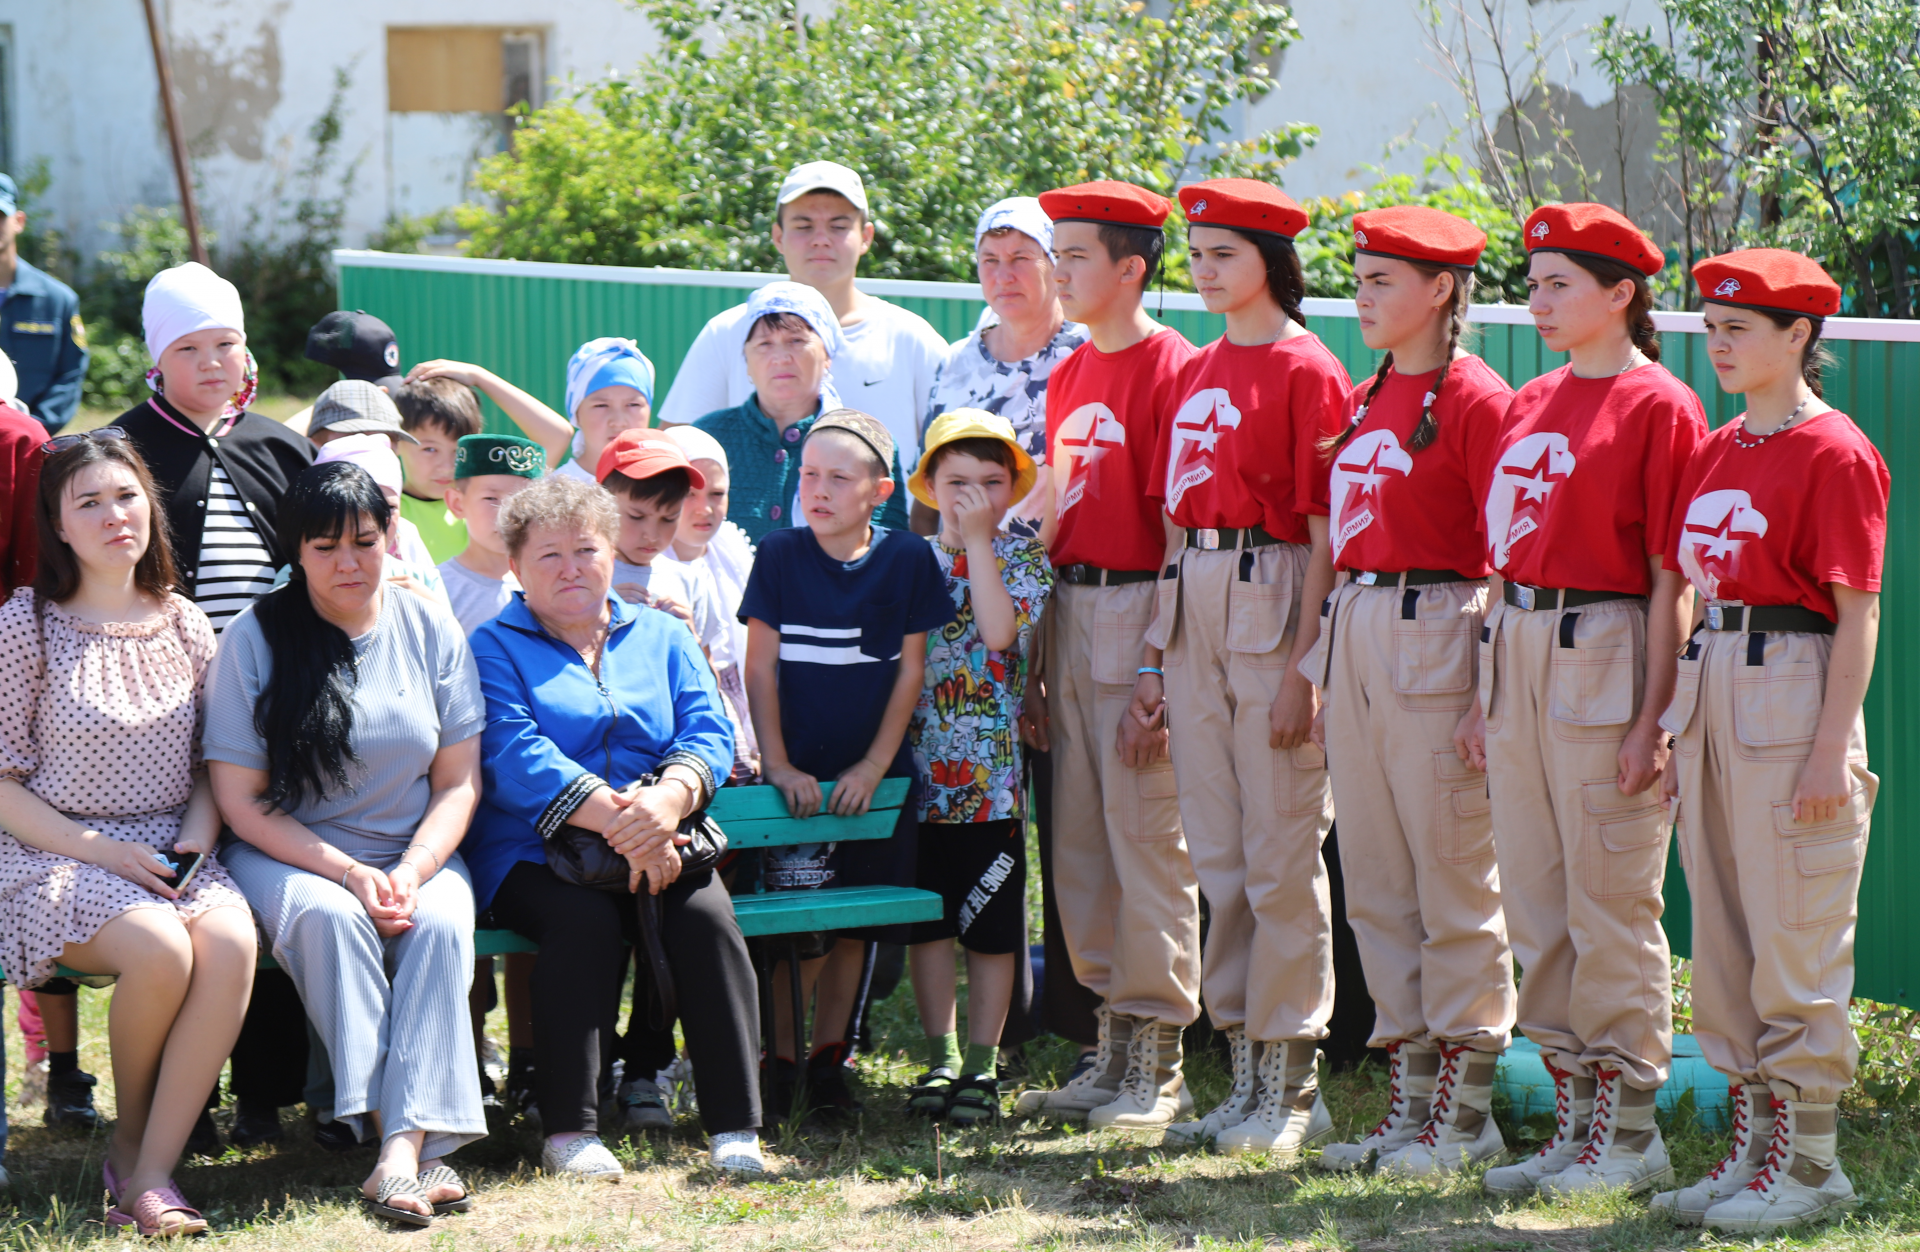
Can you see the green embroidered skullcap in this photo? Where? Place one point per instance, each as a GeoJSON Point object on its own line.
{"type": "Point", "coordinates": [498, 454]}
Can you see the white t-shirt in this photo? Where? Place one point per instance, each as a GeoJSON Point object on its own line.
{"type": "Point", "coordinates": [476, 599]}
{"type": "Point", "coordinates": [887, 370]}
{"type": "Point", "coordinates": [709, 617]}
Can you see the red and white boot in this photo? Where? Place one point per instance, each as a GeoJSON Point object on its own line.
{"type": "Point", "coordinates": [1801, 1182]}
{"type": "Point", "coordinates": [1572, 1119]}
{"type": "Point", "coordinates": [1460, 1130]}
{"type": "Point", "coordinates": [1624, 1150]}
{"type": "Point", "coordinates": [1412, 1070]}
{"type": "Point", "coordinates": [1752, 1105]}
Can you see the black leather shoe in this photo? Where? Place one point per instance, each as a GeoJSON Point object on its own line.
{"type": "Point", "coordinates": [827, 1091]}
{"type": "Point", "coordinates": [255, 1125]}
{"type": "Point", "coordinates": [335, 1137]}
{"type": "Point", "coordinates": [70, 1100]}
{"type": "Point", "coordinates": [204, 1140]}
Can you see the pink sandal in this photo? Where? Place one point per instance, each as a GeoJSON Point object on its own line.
{"type": "Point", "coordinates": [152, 1210]}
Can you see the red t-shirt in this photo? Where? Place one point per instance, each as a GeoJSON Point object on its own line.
{"type": "Point", "coordinates": [1581, 491]}
{"type": "Point", "coordinates": [1395, 509]}
{"type": "Point", "coordinates": [20, 458]}
{"type": "Point", "coordinates": [1242, 448]}
{"type": "Point", "coordinates": [1104, 412]}
{"type": "Point", "coordinates": [1776, 523]}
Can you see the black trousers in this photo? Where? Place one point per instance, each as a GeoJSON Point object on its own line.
{"type": "Point", "coordinates": [270, 1056]}
{"type": "Point", "coordinates": [577, 979]}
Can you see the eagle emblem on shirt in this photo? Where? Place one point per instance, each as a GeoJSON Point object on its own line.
{"type": "Point", "coordinates": [1718, 526]}
{"type": "Point", "coordinates": [1196, 433]}
{"type": "Point", "coordinates": [1360, 469]}
{"type": "Point", "coordinates": [1523, 484]}
{"type": "Point", "coordinates": [1086, 436]}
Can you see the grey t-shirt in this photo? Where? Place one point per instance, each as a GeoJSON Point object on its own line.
{"type": "Point", "coordinates": [418, 691]}
{"type": "Point", "coordinates": [475, 598]}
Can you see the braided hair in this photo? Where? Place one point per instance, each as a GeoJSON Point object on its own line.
{"type": "Point", "coordinates": [1428, 428]}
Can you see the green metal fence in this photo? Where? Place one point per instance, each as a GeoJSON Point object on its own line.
{"type": "Point", "coordinates": [522, 320]}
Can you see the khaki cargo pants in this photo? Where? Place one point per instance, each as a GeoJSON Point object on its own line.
{"type": "Point", "coordinates": [1581, 865]}
{"type": "Point", "coordinates": [1255, 817]}
{"type": "Point", "coordinates": [1124, 886]}
{"type": "Point", "coordinates": [1774, 900]}
{"type": "Point", "coordinates": [1416, 832]}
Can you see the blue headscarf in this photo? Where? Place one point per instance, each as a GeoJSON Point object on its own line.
{"type": "Point", "coordinates": [607, 363]}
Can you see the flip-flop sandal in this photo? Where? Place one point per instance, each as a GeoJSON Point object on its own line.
{"type": "Point", "coordinates": [149, 1212]}
{"type": "Point", "coordinates": [975, 1099]}
{"type": "Point", "coordinates": [930, 1093]}
{"type": "Point", "coordinates": [397, 1185]}
{"type": "Point", "coordinates": [443, 1176]}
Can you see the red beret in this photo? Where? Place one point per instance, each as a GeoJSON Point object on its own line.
{"type": "Point", "coordinates": [643, 453]}
{"type": "Point", "coordinates": [1592, 230]}
{"type": "Point", "coordinates": [1242, 204]}
{"type": "Point", "coordinates": [1122, 204]}
{"type": "Point", "coordinates": [1769, 278]}
{"type": "Point", "coordinates": [1412, 232]}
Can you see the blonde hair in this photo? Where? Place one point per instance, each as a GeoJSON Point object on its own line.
{"type": "Point", "coordinates": [559, 502]}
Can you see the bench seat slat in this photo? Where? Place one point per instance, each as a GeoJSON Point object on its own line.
{"type": "Point", "coordinates": [735, 804]}
{"type": "Point", "coordinates": [780, 832]}
{"type": "Point", "coordinates": [833, 908]}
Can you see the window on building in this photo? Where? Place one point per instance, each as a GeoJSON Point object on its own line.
{"type": "Point", "coordinates": [463, 69]}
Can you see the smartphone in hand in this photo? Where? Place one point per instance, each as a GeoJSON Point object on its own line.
{"type": "Point", "coordinates": [184, 865]}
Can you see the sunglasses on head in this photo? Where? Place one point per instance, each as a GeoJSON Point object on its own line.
{"type": "Point", "coordinates": [60, 443]}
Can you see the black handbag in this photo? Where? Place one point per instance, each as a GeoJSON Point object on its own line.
{"type": "Point", "coordinates": [583, 858]}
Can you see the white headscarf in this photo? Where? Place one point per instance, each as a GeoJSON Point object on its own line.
{"type": "Point", "coordinates": [372, 453]}
{"type": "Point", "coordinates": [1021, 213]}
{"type": "Point", "coordinates": [803, 302]}
{"type": "Point", "coordinates": [185, 299]}
{"type": "Point", "coordinates": [698, 445]}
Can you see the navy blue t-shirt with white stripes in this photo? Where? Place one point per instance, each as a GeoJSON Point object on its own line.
{"type": "Point", "coordinates": [841, 624]}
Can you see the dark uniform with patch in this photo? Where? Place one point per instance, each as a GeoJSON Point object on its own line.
{"type": "Point", "coordinates": [42, 334]}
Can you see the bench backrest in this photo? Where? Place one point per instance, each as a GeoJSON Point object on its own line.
{"type": "Point", "coordinates": [757, 817]}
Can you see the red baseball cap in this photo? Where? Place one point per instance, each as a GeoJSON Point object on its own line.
{"type": "Point", "coordinates": [1242, 204]}
{"type": "Point", "coordinates": [1592, 230]}
{"type": "Point", "coordinates": [644, 453]}
{"type": "Point", "coordinates": [1122, 204]}
{"type": "Point", "coordinates": [1769, 278]}
{"type": "Point", "coordinates": [1413, 232]}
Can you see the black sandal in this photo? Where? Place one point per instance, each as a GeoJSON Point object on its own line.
{"type": "Point", "coordinates": [443, 1176]}
{"type": "Point", "coordinates": [975, 1099]}
{"type": "Point", "coordinates": [930, 1093]}
{"type": "Point", "coordinates": [397, 1185]}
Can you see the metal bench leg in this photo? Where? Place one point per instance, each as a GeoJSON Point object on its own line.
{"type": "Point", "coordinates": [763, 978]}
{"type": "Point", "coordinates": [799, 1017]}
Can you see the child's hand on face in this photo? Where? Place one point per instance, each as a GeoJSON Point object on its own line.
{"type": "Point", "coordinates": [974, 515]}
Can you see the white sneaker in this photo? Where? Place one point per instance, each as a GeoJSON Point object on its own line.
{"type": "Point", "coordinates": [1460, 1130]}
{"type": "Point", "coordinates": [1752, 1111]}
{"type": "Point", "coordinates": [585, 1157]}
{"type": "Point", "coordinates": [1153, 1092]}
{"type": "Point", "coordinates": [1801, 1182]}
{"type": "Point", "coordinates": [1624, 1150]}
{"type": "Point", "coordinates": [1093, 1086]}
{"type": "Point", "coordinates": [1290, 1117]}
{"type": "Point", "coordinates": [738, 1152]}
{"type": "Point", "coordinates": [1411, 1072]}
{"type": "Point", "coordinates": [1572, 1118]}
{"type": "Point", "coordinates": [1238, 1105]}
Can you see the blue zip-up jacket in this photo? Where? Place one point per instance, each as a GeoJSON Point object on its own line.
{"type": "Point", "coordinates": [41, 333]}
{"type": "Point", "coordinates": [555, 733]}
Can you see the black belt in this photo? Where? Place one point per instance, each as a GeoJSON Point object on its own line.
{"type": "Point", "coordinates": [1413, 577]}
{"type": "Point", "coordinates": [1759, 617]}
{"type": "Point", "coordinates": [1208, 540]}
{"type": "Point", "coordinates": [1094, 576]}
{"type": "Point", "coordinates": [1521, 596]}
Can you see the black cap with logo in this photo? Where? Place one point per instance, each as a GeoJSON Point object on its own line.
{"type": "Point", "coordinates": [359, 345]}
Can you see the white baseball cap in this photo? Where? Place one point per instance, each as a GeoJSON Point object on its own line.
{"type": "Point", "coordinates": [824, 176]}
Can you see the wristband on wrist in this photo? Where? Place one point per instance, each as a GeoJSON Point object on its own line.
{"type": "Point", "coordinates": [1151, 669]}
{"type": "Point", "coordinates": [348, 870]}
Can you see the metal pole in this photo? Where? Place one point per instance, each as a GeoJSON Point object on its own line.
{"type": "Point", "coordinates": [189, 210]}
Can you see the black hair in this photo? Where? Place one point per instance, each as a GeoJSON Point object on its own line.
{"type": "Point", "coordinates": [305, 712]}
{"type": "Point", "coordinates": [781, 321]}
{"type": "Point", "coordinates": [1286, 282]}
{"type": "Point", "coordinates": [1428, 428]}
{"type": "Point", "coordinates": [1146, 242]}
{"type": "Point", "coordinates": [663, 490]}
{"type": "Point", "coordinates": [1612, 273]}
{"type": "Point", "coordinates": [1812, 356]}
{"type": "Point", "coordinates": [979, 447]}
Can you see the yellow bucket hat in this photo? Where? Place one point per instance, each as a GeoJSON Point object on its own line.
{"type": "Point", "coordinates": [957, 424]}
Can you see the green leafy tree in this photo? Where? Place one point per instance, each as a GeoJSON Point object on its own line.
{"type": "Point", "coordinates": [1792, 123]}
{"type": "Point", "coordinates": [942, 108]}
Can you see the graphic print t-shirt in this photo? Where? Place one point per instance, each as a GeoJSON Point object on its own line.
{"type": "Point", "coordinates": [1104, 411]}
{"type": "Point", "coordinates": [1394, 509]}
{"type": "Point", "coordinates": [1242, 448]}
{"type": "Point", "coordinates": [964, 745]}
{"type": "Point", "coordinates": [1582, 484]}
{"type": "Point", "coordinates": [841, 624]}
{"type": "Point", "coordinates": [1776, 523]}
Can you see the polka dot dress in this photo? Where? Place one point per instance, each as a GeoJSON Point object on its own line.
{"type": "Point", "coordinates": [107, 731]}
